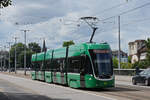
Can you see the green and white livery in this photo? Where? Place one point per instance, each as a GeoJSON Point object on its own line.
{"type": "Point", "coordinates": [87, 65]}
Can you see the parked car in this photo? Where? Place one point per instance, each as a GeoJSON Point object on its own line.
{"type": "Point", "coordinates": [143, 77]}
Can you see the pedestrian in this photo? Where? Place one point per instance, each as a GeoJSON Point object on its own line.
{"type": "Point", "coordinates": [137, 70]}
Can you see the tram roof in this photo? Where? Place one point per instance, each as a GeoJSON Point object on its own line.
{"type": "Point", "coordinates": [74, 50]}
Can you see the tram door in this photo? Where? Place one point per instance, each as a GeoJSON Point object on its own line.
{"type": "Point", "coordinates": [62, 70]}
{"type": "Point", "coordinates": [82, 71]}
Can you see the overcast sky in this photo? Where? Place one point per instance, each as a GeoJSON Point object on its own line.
{"type": "Point", "coordinates": [58, 21]}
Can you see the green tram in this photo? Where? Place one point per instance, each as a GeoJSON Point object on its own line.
{"type": "Point", "coordinates": [87, 65]}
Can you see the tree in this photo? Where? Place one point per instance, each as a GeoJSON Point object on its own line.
{"type": "Point", "coordinates": [148, 51]}
{"type": "Point", "coordinates": [28, 55]}
{"type": "Point", "coordinates": [19, 49]}
{"type": "Point", "coordinates": [68, 43]}
{"type": "Point", "coordinates": [34, 47]}
{"type": "Point", "coordinates": [5, 3]}
{"type": "Point", "coordinates": [126, 65]}
{"type": "Point", "coordinates": [129, 59]}
{"type": "Point", "coordinates": [4, 58]}
{"type": "Point", "coordinates": [115, 62]}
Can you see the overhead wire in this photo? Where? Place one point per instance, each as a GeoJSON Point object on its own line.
{"type": "Point", "coordinates": [127, 24]}
{"type": "Point", "coordinates": [128, 11]}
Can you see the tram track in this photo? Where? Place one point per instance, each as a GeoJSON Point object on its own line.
{"type": "Point", "coordinates": [122, 92]}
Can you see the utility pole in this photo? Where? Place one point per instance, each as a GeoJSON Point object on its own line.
{"type": "Point", "coordinates": [119, 44]}
{"type": "Point", "coordinates": [9, 43]}
{"type": "Point", "coordinates": [25, 32]}
{"type": "Point", "coordinates": [15, 53]}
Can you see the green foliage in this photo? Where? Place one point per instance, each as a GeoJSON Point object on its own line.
{"type": "Point", "coordinates": [145, 63]}
{"type": "Point", "coordinates": [141, 64]}
{"type": "Point", "coordinates": [5, 3]}
{"type": "Point", "coordinates": [115, 62]}
{"type": "Point", "coordinates": [68, 43]}
{"type": "Point", "coordinates": [148, 51]}
{"type": "Point", "coordinates": [126, 65]}
{"type": "Point", "coordinates": [123, 65]}
{"type": "Point", "coordinates": [19, 48]}
{"type": "Point", "coordinates": [34, 47]}
{"type": "Point", "coordinates": [28, 58]}
{"type": "Point", "coordinates": [129, 59]}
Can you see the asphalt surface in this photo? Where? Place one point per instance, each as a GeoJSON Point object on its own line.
{"type": "Point", "coordinates": [16, 88]}
{"type": "Point", "coordinates": [10, 91]}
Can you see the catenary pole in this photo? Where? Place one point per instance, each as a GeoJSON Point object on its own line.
{"type": "Point", "coordinates": [119, 57]}
{"type": "Point", "coordinates": [15, 55]}
{"type": "Point", "coordinates": [9, 43]}
{"type": "Point", "coordinates": [25, 32]}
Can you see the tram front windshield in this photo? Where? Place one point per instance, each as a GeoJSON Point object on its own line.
{"type": "Point", "coordinates": [102, 62]}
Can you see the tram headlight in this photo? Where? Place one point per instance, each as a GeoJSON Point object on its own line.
{"type": "Point", "coordinates": [90, 78]}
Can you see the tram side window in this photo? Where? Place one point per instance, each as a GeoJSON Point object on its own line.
{"type": "Point", "coordinates": [56, 65]}
{"type": "Point", "coordinates": [41, 65]}
{"type": "Point", "coordinates": [74, 65]}
{"type": "Point", "coordinates": [47, 65]}
{"type": "Point", "coordinates": [33, 65]}
{"type": "Point", "coordinates": [38, 65]}
{"type": "Point", "coordinates": [62, 65]}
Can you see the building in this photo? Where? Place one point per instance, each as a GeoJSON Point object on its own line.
{"type": "Point", "coordinates": [123, 55]}
{"type": "Point", "coordinates": [137, 50]}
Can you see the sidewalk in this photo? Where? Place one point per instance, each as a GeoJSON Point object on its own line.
{"type": "Point", "coordinates": [123, 78]}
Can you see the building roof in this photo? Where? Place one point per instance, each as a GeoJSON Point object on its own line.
{"type": "Point", "coordinates": [116, 52]}
{"type": "Point", "coordinates": [136, 41]}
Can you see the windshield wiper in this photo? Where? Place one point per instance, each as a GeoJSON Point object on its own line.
{"type": "Point", "coordinates": [105, 75]}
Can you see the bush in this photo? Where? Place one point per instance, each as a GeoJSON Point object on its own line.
{"type": "Point", "coordinates": [126, 65]}
{"type": "Point", "coordinates": [141, 64]}
{"type": "Point", "coordinates": [115, 62]}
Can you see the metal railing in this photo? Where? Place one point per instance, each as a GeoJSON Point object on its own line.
{"type": "Point", "coordinates": [129, 72]}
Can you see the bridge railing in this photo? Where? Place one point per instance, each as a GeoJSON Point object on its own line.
{"type": "Point", "coordinates": [129, 72]}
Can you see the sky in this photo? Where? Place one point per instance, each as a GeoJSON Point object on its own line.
{"type": "Point", "coordinates": [58, 20]}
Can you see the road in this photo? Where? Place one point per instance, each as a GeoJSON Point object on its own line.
{"type": "Point", "coordinates": [17, 88]}
{"type": "Point", "coordinates": [10, 91]}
